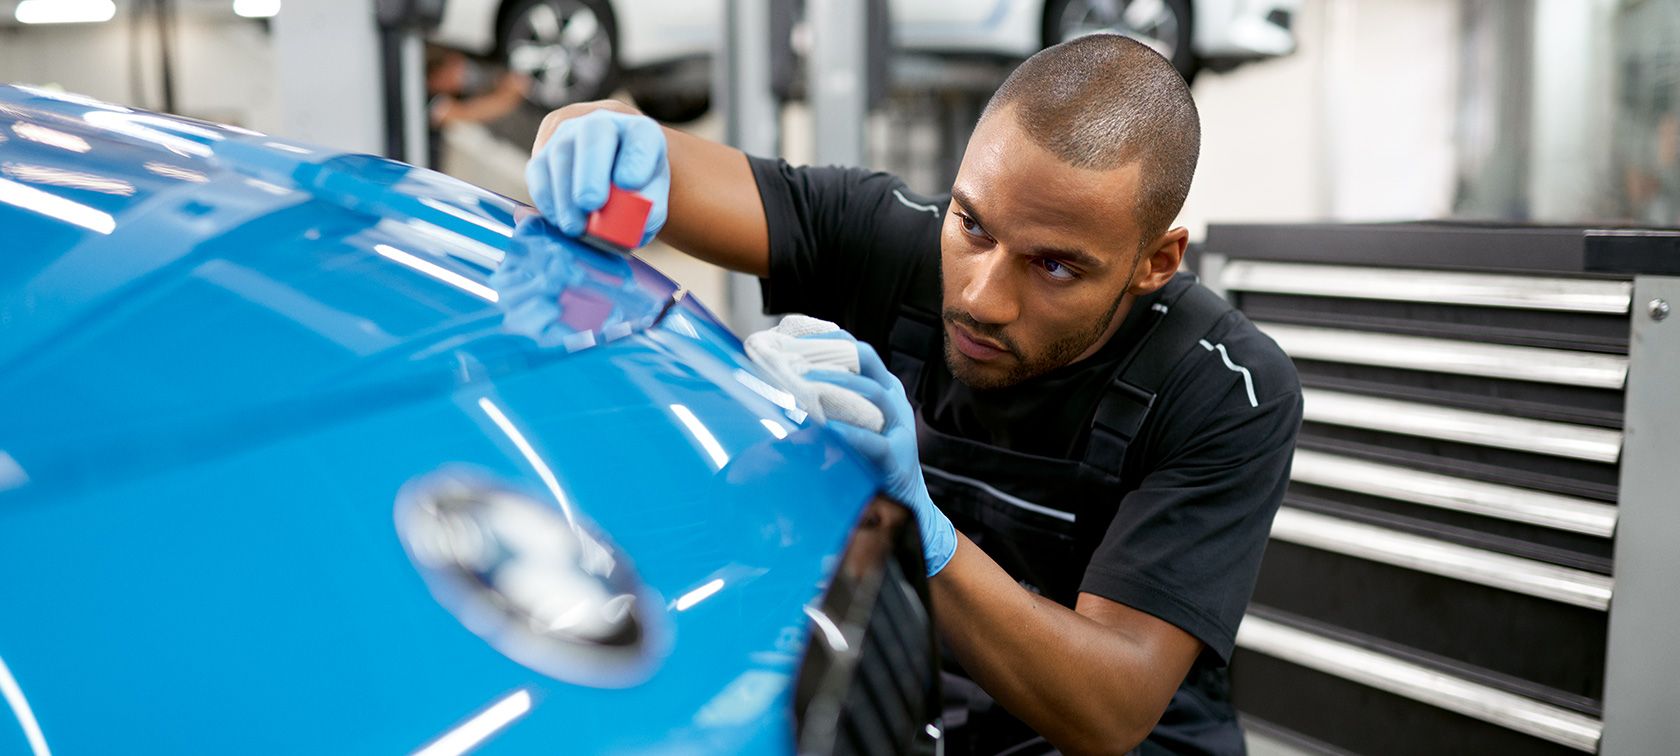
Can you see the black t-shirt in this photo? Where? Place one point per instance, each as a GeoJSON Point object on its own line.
{"type": "Point", "coordinates": [1208, 468]}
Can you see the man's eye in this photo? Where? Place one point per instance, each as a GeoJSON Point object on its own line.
{"type": "Point", "coordinates": [1057, 270]}
{"type": "Point", "coordinates": [970, 226]}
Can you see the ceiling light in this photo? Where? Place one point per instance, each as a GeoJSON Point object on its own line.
{"type": "Point", "coordinates": [256, 8]}
{"type": "Point", "coordinates": [65, 11]}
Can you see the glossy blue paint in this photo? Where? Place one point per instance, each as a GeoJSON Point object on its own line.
{"type": "Point", "coordinates": [222, 355]}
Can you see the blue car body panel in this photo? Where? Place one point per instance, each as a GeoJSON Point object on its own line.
{"type": "Point", "coordinates": [222, 355]}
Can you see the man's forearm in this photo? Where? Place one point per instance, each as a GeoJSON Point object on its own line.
{"type": "Point", "coordinates": [1086, 686]}
{"type": "Point", "coordinates": [715, 212]}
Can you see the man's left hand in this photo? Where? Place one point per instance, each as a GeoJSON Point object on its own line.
{"type": "Point", "coordinates": [893, 449]}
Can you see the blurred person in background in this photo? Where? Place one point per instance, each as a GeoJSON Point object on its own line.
{"type": "Point", "coordinates": [460, 89]}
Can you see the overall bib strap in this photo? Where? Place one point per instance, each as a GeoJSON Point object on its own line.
{"type": "Point", "coordinates": [1131, 395]}
{"type": "Point", "coordinates": [1040, 518]}
{"type": "Point", "coordinates": [915, 339]}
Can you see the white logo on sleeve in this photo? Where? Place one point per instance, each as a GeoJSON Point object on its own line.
{"type": "Point", "coordinates": [905, 201]}
{"type": "Point", "coordinates": [1248, 380]}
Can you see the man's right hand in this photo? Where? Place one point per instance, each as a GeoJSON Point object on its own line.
{"type": "Point", "coordinates": [580, 151]}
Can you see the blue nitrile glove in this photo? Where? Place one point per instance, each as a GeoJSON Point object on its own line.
{"type": "Point", "coordinates": [893, 449]}
{"type": "Point", "coordinates": [543, 271]}
{"type": "Point", "coordinates": [568, 177]}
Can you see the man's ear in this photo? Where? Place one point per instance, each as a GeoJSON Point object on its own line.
{"type": "Point", "coordinates": [1159, 261]}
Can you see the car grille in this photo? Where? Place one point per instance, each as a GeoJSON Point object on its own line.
{"type": "Point", "coordinates": [869, 683]}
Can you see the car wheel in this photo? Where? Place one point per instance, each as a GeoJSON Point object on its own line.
{"type": "Point", "coordinates": [569, 48]}
{"type": "Point", "coordinates": [1164, 25]}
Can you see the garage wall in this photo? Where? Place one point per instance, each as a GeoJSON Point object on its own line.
{"type": "Point", "coordinates": [223, 65]}
{"type": "Point", "coordinates": [1571, 120]}
{"type": "Point", "coordinates": [1358, 124]}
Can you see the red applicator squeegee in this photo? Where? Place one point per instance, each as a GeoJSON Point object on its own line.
{"type": "Point", "coordinates": [618, 225]}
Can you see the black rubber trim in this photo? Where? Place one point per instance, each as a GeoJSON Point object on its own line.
{"type": "Point", "coordinates": [1600, 408]}
{"type": "Point", "coordinates": [1547, 544]}
{"type": "Point", "coordinates": [1484, 644]}
{"type": "Point", "coordinates": [1575, 477]}
{"type": "Point", "coordinates": [1326, 501]}
{"type": "Point", "coordinates": [1458, 467]}
{"type": "Point", "coordinates": [1438, 245]}
{"type": "Point", "coordinates": [1288, 737]}
{"type": "Point", "coordinates": [1648, 252]}
{"type": "Point", "coordinates": [1577, 331]}
{"type": "Point", "coordinates": [1365, 720]}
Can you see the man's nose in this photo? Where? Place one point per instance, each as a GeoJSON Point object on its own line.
{"type": "Point", "coordinates": [989, 296]}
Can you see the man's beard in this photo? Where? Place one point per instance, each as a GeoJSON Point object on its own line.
{"type": "Point", "coordinates": [1019, 367]}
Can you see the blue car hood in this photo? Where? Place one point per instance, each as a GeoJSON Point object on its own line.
{"type": "Point", "coordinates": [155, 293]}
{"type": "Point", "coordinates": [222, 356]}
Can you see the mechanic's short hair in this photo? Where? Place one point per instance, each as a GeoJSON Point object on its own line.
{"type": "Point", "coordinates": [1102, 101]}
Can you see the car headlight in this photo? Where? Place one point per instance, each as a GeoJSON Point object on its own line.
{"type": "Point", "coordinates": [543, 586]}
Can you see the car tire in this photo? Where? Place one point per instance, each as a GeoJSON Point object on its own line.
{"type": "Point", "coordinates": [569, 48]}
{"type": "Point", "coordinates": [1164, 25]}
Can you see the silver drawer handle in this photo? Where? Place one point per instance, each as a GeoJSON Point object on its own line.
{"type": "Point", "coordinates": [1517, 574]}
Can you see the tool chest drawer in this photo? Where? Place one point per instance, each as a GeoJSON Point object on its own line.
{"type": "Point", "coordinates": [1448, 563]}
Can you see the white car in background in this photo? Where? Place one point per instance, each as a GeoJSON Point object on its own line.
{"type": "Point", "coordinates": [658, 49]}
{"type": "Point", "coordinates": [1193, 34]}
{"type": "Point", "coordinates": [577, 50]}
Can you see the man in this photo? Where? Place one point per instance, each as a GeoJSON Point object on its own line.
{"type": "Point", "coordinates": [1106, 442]}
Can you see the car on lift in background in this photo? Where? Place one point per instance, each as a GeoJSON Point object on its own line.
{"type": "Point", "coordinates": [658, 50]}
{"type": "Point", "coordinates": [313, 452]}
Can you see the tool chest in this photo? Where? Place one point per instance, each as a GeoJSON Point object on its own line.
{"type": "Point", "coordinates": [1475, 551]}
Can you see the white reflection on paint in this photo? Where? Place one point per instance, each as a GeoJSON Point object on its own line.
{"type": "Point", "coordinates": [274, 189]}
{"type": "Point", "coordinates": [240, 130]}
{"type": "Point", "coordinates": [830, 631]}
{"type": "Point", "coordinates": [51, 137]}
{"type": "Point", "coordinates": [702, 434]}
{"type": "Point", "coordinates": [56, 207]}
{"type": "Point", "coordinates": [176, 172]}
{"type": "Point", "coordinates": [437, 272]}
{"type": "Point", "coordinates": [596, 558]}
{"type": "Point", "coordinates": [688, 600]}
{"type": "Point", "coordinates": [745, 699]}
{"type": "Point", "coordinates": [158, 130]}
{"type": "Point", "coordinates": [777, 396]}
{"type": "Point", "coordinates": [681, 325]}
{"type": "Point", "coordinates": [12, 474]}
{"type": "Point", "coordinates": [477, 220]}
{"type": "Point", "coordinates": [774, 427]}
{"type": "Point", "coordinates": [13, 694]}
{"type": "Point", "coordinates": [475, 251]}
{"type": "Point", "coordinates": [292, 148]}
{"type": "Point", "coordinates": [469, 734]}
{"type": "Point", "coordinates": [530, 453]}
{"type": "Point", "coordinates": [74, 99]}
{"type": "Point", "coordinates": [51, 176]}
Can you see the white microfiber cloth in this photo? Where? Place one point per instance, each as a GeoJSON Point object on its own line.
{"type": "Point", "coordinates": [787, 358]}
